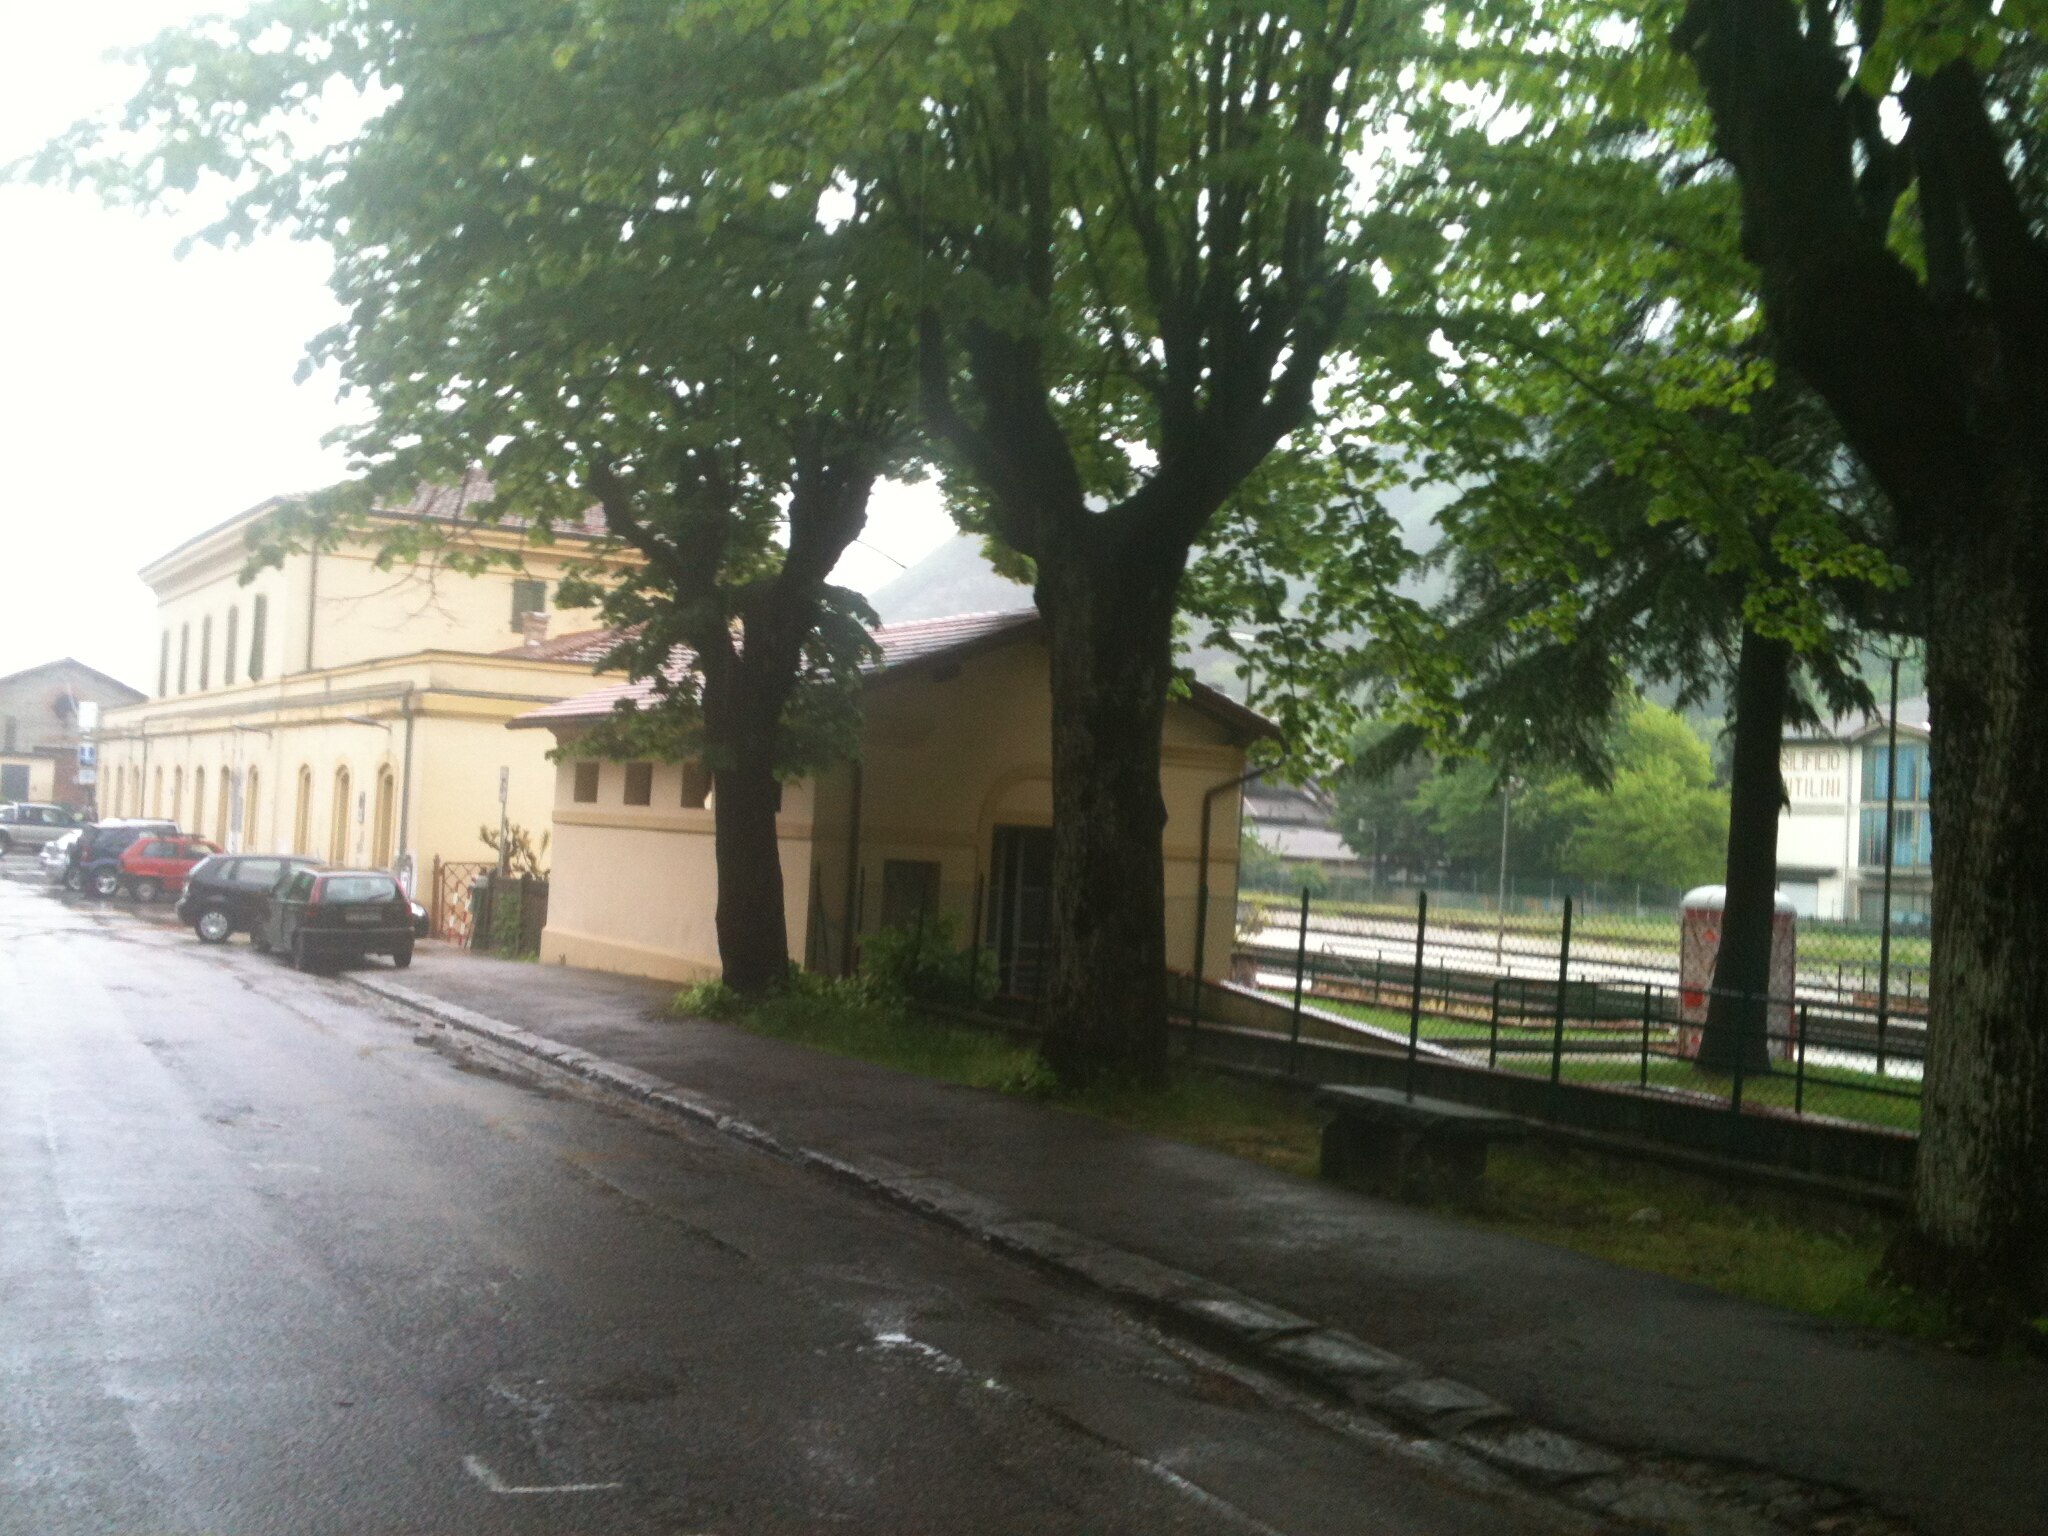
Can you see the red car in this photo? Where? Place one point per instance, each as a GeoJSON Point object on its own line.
{"type": "Point", "coordinates": [152, 866]}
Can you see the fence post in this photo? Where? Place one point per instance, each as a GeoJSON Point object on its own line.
{"type": "Point", "coordinates": [1735, 1083]}
{"type": "Point", "coordinates": [1564, 963]}
{"type": "Point", "coordinates": [1643, 1077]}
{"type": "Point", "coordinates": [435, 924]}
{"type": "Point", "coordinates": [1493, 1029]}
{"type": "Point", "coordinates": [1300, 965]}
{"type": "Point", "coordinates": [974, 955]}
{"type": "Point", "coordinates": [1799, 1066]}
{"type": "Point", "coordinates": [1415, 996]}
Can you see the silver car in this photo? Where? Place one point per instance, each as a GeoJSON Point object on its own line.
{"type": "Point", "coordinates": [27, 824]}
{"type": "Point", "coordinates": [55, 858]}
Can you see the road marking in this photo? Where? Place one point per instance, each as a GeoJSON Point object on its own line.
{"type": "Point", "coordinates": [480, 1470]}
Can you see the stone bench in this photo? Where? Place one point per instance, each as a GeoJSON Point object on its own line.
{"type": "Point", "coordinates": [1381, 1140]}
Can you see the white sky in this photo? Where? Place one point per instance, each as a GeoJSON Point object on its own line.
{"type": "Point", "coordinates": [144, 398]}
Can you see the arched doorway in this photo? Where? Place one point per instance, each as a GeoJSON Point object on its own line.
{"type": "Point", "coordinates": [224, 806]}
{"type": "Point", "coordinates": [338, 839]}
{"type": "Point", "coordinates": [199, 802]}
{"type": "Point", "coordinates": [178, 796]}
{"type": "Point", "coordinates": [249, 804]}
{"type": "Point", "coordinates": [156, 803]}
{"type": "Point", "coordinates": [382, 823]}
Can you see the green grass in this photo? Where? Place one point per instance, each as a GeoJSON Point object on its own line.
{"type": "Point", "coordinates": [1741, 1242]}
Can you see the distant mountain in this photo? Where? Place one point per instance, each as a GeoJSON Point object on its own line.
{"type": "Point", "coordinates": [954, 578]}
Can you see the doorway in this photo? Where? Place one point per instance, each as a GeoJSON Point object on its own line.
{"type": "Point", "coordinates": [1020, 907]}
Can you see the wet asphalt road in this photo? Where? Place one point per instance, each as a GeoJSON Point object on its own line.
{"type": "Point", "coordinates": [272, 1259]}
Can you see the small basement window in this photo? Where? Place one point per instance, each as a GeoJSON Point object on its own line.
{"type": "Point", "coordinates": [639, 783]}
{"type": "Point", "coordinates": [696, 785]}
{"type": "Point", "coordinates": [586, 783]}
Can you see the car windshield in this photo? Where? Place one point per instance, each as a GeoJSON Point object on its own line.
{"type": "Point", "coordinates": [357, 888]}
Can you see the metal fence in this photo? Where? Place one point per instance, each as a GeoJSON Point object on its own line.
{"type": "Point", "coordinates": [1600, 1002]}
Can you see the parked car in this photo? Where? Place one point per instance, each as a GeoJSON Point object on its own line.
{"type": "Point", "coordinates": [96, 857]}
{"type": "Point", "coordinates": [150, 866]}
{"type": "Point", "coordinates": [325, 916]}
{"type": "Point", "coordinates": [55, 858]}
{"type": "Point", "coordinates": [230, 893]}
{"type": "Point", "coordinates": [32, 824]}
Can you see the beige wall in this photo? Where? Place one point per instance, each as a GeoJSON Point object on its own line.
{"type": "Point", "coordinates": [358, 612]}
{"type": "Point", "coordinates": [634, 888]}
{"type": "Point", "coordinates": [154, 755]}
{"type": "Point", "coordinates": [945, 764]}
{"type": "Point", "coordinates": [42, 774]}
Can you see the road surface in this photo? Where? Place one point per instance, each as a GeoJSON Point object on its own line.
{"type": "Point", "coordinates": [276, 1260]}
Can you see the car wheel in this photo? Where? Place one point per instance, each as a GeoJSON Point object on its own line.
{"type": "Point", "coordinates": [74, 879]}
{"type": "Point", "coordinates": [148, 889]}
{"type": "Point", "coordinates": [402, 957]}
{"type": "Point", "coordinates": [302, 955]}
{"type": "Point", "coordinates": [213, 926]}
{"type": "Point", "coordinates": [104, 883]}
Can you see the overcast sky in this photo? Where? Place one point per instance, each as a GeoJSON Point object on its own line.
{"type": "Point", "coordinates": [144, 398]}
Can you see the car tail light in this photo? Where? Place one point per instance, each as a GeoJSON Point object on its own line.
{"type": "Point", "coordinates": [313, 896]}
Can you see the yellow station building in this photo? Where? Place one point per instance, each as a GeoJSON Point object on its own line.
{"type": "Point", "coordinates": [946, 813]}
{"type": "Point", "coordinates": [332, 708]}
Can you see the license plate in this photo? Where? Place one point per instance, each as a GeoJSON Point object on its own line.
{"type": "Point", "coordinates": [363, 919]}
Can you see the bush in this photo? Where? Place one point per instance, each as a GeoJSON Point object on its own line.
{"type": "Point", "coordinates": [709, 1000]}
{"type": "Point", "coordinates": [925, 963]}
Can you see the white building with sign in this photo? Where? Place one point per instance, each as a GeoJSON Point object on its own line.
{"type": "Point", "coordinates": [1831, 836]}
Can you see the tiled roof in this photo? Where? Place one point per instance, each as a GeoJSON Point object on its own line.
{"type": "Point", "coordinates": [902, 645]}
{"type": "Point", "coordinates": [585, 646]}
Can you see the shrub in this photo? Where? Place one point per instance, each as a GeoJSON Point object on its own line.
{"type": "Point", "coordinates": [925, 963]}
{"type": "Point", "coordinates": [709, 1000]}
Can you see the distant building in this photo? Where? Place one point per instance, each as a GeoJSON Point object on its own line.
{"type": "Point", "coordinates": [39, 736]}
{"type": "Point", "coordinates": [1831, 836]}
{"type": "Point", "coordinates": [340, 708]}
{"type": "Point", "coordinates": [1296, 821]}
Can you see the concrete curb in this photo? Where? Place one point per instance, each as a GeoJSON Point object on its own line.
{"type": "Point", "coordinates": [1647, 1493]}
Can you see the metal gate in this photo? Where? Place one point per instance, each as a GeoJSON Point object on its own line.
{"type": "Point", "coordinates": [448, 912]}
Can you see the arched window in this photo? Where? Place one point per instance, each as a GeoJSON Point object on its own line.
{"type": "Point", "coordinates": [199, 802]}
{"type": "Point", "coordinates": [384, 826]}
{"type": "Point", "coordinates": [224, 798]}
{"type": "Point", "coordinates": [156, 803]}
{"type": "Point", "coordinates": [205, 653]}
{"type": "Point", "coordinates": [302, 819]}
{"type": "Point", "coordinates": [338, 841]}
{"type": "Point", "coordinates": [227, 647]}
{"type": "Point", "coordinates": [178, 796]}
{"type": "Point", "coordinates": [250, 802]}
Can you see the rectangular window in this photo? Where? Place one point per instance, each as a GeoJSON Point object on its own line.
{"type": "Point", "coordinates": [639, 783]}
{"type": "Point", "coordinates": [528, 596]}
{"type": "Point", "coordinates": [910, 892]}
{"type": "Point", "coordinates": [184, 655]}
{"type": "Point", "coordinates": [585, 789]}
{"type": "Point", "coordinates": [696, 785]}
{"type": "Point", "coordinates": [1912, 838]}
{"type": "Point", "coordinates": [227, 648]}
{"type": "Point", "coordinates": [1913, 775]}
{"type": "Point", "coordinates": [205, 652]}
{"type": "Point", "coordinates": [163, 667]}
{"type": "Point", "coordinates": [259, 611]}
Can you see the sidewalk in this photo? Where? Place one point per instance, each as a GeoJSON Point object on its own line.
{"type": "Point", "coordinates": [1633, 1361]}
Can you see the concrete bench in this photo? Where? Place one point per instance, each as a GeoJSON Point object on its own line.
{"type": "Point", "coordinates": [1414, 1149]}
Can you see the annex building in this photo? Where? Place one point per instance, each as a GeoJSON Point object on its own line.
{"type": "Point", "coordinates": [343, 710]}
{"type": "Point", "coordinates": [943, 823]}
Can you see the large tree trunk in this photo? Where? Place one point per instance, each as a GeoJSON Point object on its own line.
{"type": "Point", "coordinates": [753, 932]}
{"type": "Point", "coordinates": [1109, 628]}
{"type": "Point", "coordinates": [1980, 1201]}
{"type": "Point", "coordinates": [1738, 1007]}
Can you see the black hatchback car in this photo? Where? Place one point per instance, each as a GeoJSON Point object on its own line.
{"type": "Point", "coordinates": [230, 893]}
{"type": "Point", "coordinates": [322, 917]}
